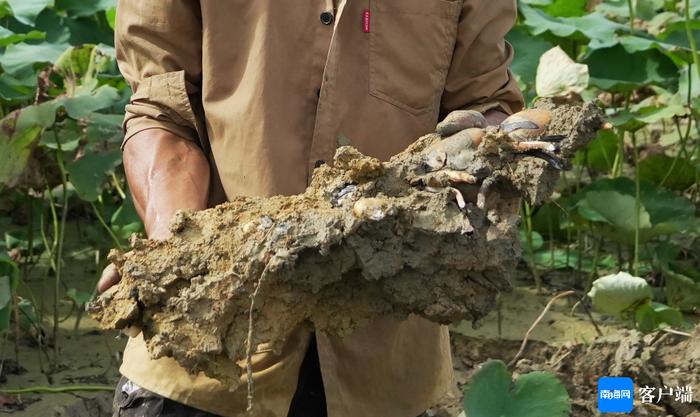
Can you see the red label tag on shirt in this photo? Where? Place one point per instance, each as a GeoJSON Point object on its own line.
{"type": "Point", "coordinates": [365, 20]}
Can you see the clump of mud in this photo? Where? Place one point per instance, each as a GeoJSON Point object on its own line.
{"type": "Point", "coordinates": [657, 360]}
{"type": "Point", "coordinates": [361, 242]}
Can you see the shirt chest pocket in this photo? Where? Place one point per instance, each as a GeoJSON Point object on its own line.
{"type": "Point", "coordinates": [411, 45]}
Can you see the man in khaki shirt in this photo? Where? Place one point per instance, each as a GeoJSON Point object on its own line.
{"type": "Point", "coordinates": [246, 98]}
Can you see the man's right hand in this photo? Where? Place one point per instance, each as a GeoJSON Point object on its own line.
{"type": "Point", "coordinates": [165, 174]}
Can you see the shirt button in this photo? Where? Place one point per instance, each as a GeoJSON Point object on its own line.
{"type": "Point", "coordinates": [319, 163]}
{"type": "Point", "coordinates": [327, 18]}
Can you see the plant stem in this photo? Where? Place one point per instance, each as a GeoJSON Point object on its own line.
{"type": "Point", "coordinates": [537, 320]}
{"type": "Point", "coordinates": [619, 155]}
{"type": "Point", "coordinates": [118, 186]}
{"type": "Point", "coordinates": [106, 226]}
{"type": "Point", "coordinates": [550, 228]}
{"type": "Point", "coordinates": [637, 205]}
{"type": "Point", "coordinates": [30, 229]}
{"type": "Point", "coordinates": [594, 270]}
{"type": "Point", "coordinates": [691, 39]}
{"type": "Point", "coordinates": [527, 215]}
{"type": "Point", "coordinates": [683, 139]}
{"type": "Point", "coordinates": [15, 310]}
{"type": "Point", "coordinates": [620, 257]}
{"type": "Point", "coordinates": [579, 260]}
{"type": "Point", "coordinates": [49, 249]}
{"type": "Point", "coordinates": [60, 234]}
{"type": "Point", "coordinates": [630, 7]}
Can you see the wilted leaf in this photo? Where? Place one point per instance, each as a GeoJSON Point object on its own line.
{"type": "Point", "coordinates": [660, 21]}
{"type": "Point", "coordinates": [80, 65]}
{"type": "Point", "coordinates": [618, 293]}
{"type": "Point", "coordinates": [558, 75]}
{"type": "Point", "coordinates": [492, 393]}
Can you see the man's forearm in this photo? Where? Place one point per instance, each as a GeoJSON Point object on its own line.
{"type": "Point", "coordinates": [165, 173]}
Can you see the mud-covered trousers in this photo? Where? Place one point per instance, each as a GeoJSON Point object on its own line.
{"type": "Point", "coordinates": [309, 399]}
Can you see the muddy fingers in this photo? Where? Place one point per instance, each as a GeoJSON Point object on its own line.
{"type": "Point", "coordinates": [444, 178]}
{"type": "Point", "coordinates": [458, 197]}
{"type": "Point", "coordinates": [459, 120]}
{"type": "Point", "coordinates": [535, 145]}
{"type": "Point", "coordinates": [526, 125]}
{"type": "Point", "coordinates": [483, 190]}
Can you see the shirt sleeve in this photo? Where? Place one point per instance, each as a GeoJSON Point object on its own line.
{"type": "Point", "coordinates": [479, 78]}
{"type": "Point", "coordinates": [159, 44]}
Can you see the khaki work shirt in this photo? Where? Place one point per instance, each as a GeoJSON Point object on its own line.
{"type": "Point", "coordinates": [269, 89]}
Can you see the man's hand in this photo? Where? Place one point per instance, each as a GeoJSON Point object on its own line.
{"type": "Point", "coordinates": [459, 120]}
{"type": "Point", "coordinates": [109, 278]}
{"type": "Point", "coordinates": [165, 174]}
